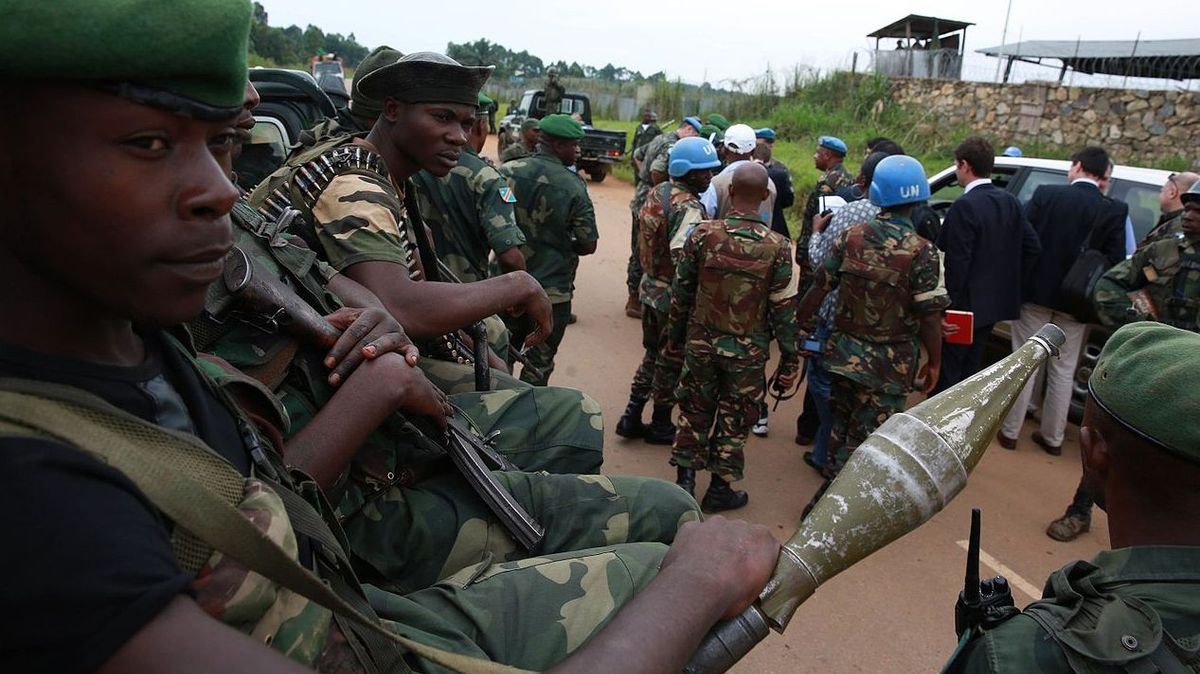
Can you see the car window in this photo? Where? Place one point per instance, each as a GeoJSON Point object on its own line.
{"type": "Point", "coordinates": [1038, 177]}
{"type": "Point", "coordinates": [1143, 204]}
{"type": "Point", "coordinates": [265, 152]}
{"type": "Point", "coordinates": [951, 190]}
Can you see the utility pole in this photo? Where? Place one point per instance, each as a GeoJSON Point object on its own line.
{"type": "Point", "coordinates": [1003, 36]}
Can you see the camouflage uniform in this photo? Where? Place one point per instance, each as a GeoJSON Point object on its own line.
{"type": "Point", "coordinates": [470, 212]}
{"type": "Point", "coordinates": [733, 289]}
{"type": "Point", "coordinates": [888, 279]}
{"type": "Point", "coordinates": [555, 212]}
{"type": "Point", "coordinates": [356, 213]}
{"type": "Point", "coordinates": [646, 155]}
{"type": "Point", "coordinates": [1168, 226]}
{"type": "Point", "coordinates": [553, 94]}
{"type": "Point", "coordinates": [834, 179]}
{"type": "Point", "coordinates": [662, 238]}
{"type": "Point", "coordinates": [1169, 272]}
{"type": "Point", "coordinates": [408, 520]}
{"type": "Point", "coordinates": [515, 150]}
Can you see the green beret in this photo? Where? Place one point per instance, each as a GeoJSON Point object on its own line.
{"type": "Point", "coordinates": [186, 56]}
{"type": "Point", "coordinates": [1145, 378]}
{"type": "Point", "coordinates": [718, 120]}
{"type": "Point", "coordinates": [485, 103]}
{"type": "Point", "coordinates": [711, 132]}
{"type": "Point", "coordinates": [361, 104]}
{"type": "Point", "coordinates": [427, 77]}
{"type": "Point", "coordinates": [561, 126]}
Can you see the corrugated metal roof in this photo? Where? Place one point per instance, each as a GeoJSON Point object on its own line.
{"type": "Point", "coordinates": [1169, 59]}
{"type": "Point", "coordinates": [920, 27]}
{"type": "Point", "coordinates": [1081, 49]}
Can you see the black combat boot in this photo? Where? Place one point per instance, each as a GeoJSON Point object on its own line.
{"type": "Point", "coordinates": [686, 478]}
{"type": "Point", "coordinates": [661, 431]}
{"type": "Point", "coordinates": [630, 424]}
{"type": "Point", "coordinates": [721, 496]}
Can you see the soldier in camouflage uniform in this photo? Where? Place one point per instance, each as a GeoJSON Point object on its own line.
{"type": "Point", "coordinates": [733, 290]}
{"type": "Point", "coordinates": [470, 212]}
{"type": "Point", "coordinates": [553, 92]}
{"type": "Point", "coordinates": [667, 217]}
{"type": "Point", "coordinates": [526, 143]}
{"type": "Point", "coordinates": [828, 159]}
{"type": "Point", "coordinates": [362, 217]}
{"type": "Point", "coordinates": [889, 305]}
{"type": "Point", "coordinates": [1170, 202]}
{"type": "Point", "coordinates": [555, 212]}
{"type": "Point", "coordinates": [645, 133]}
{"type": "Point", "coordinates": [650, 169]}
{"type": "Point", "coordinates": [1160, 282]}
{"type": "Point", "coordinates": [153, 224]}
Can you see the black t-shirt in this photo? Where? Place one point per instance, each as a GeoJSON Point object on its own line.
{"type": "Point", "coordinates": [87, 560]}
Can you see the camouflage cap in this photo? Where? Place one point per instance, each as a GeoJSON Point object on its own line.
{"type": "Point", "coordinates": [187, 56]}
{"type": "Point", "coordinates": [561, 126]}
{"type": "Point", "coordinates": [360, 103]}
{"type": "Point", "coordinates": [1145, 379]}
{"type": "Point", "coordinates": [427, 77]}
{"type": "Point", "coordinates": [718, 120]}
{"type": "Point", "coordinates": [529, 123]}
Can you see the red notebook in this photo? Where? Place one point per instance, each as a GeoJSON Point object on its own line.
{"type": "Point", "coordinates": [965, 320]}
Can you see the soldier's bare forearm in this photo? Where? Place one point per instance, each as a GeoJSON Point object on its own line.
{"type": "Point", "coordinates": [511, 260]}
{"type": "Point", "coordinates": [427, 309]}
{"type": "Point", "coordinates": [931, 337]}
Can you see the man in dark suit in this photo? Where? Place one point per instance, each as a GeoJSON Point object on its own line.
{"type": "Point", "coordinates": [1066, 218]}
{"type": "Point", "coordinates": [989, 245]}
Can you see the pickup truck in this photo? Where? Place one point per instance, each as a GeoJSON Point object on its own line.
{"type": "Point", "coordinates": [600, 149]}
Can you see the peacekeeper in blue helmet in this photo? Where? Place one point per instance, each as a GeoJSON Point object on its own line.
{"type": "Point", "coordinates": [889, 305]}
{"type": "Point", "coordinates": [668, 214]}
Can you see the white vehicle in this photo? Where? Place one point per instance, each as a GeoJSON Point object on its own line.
{"type": "Point", "coordinates": [1138, 187]}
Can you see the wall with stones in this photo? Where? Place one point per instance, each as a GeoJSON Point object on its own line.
{"type": "Point", "coordinates": [1136, 126]}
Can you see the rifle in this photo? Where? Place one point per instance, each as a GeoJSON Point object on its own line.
{"type": "Point", "coordinates": [255, 293]}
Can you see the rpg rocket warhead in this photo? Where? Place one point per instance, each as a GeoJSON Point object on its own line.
{"type": "Point", "coordinates": [902, 475]}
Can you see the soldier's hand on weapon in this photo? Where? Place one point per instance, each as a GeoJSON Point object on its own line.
{"type": "Point", "coordinates": [366, 334]}
{"type": "Point", "coordinates": [730, 557]}
{"type": "Point", "coordinates": [820, 221]}
{"type": "Point", "coordinates": [785, 377]}
{"type": "Point", "coordinates": [536, 305]}
{"type": "Point", "coordinates": [420, 397]}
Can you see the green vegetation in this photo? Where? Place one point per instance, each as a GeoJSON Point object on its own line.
{"type": "Point", "coordinates": [291, 47]}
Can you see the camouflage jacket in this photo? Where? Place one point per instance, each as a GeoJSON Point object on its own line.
{"type": "Point", "coordinates": [889, 279]}
{"type": "Point", "coordinates": [553, 94]}
{"type": "Point", "coordinates": [642, 137]}
{"type": "Point", "coordinates": [1168, 271]}
{"type": "Point", "coordinates": [470, 212]}
{"type": "Point", "coordinates": [555, 212]}
{"type": "Point", "coordinates": [1168, 225]}
{"type": "Point", "coordinates": [296, 374]}
{"type": "Point", "coordinates": [733, 290]}
{"type": "Point", "coordinates": [515, 150]}
{"type": "Point", "coordinates": [351, 209]}
{"type": "Point", "coordinates": [654, 153]}
{"type": "Point", "coordinates": [834, 179]}
{"type": "Point", "coordinates": [661, 238]}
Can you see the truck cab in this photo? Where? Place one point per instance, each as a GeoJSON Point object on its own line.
{"type": "Point", "coordinates": [599, 148]}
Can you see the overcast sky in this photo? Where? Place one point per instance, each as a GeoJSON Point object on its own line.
{"type": "Point", "coordinates": [725, 41]}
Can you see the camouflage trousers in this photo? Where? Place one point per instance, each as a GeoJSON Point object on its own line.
{"type": "Point", "coordinates": [563, 600]}
{"type": "Point", "coordinates": [658, 373]}
{"type": "Point", "coordinates": [453, 377]}
{"type": "Point", "coordinates": [718, 403]}
{"type": "Point", "coordinates": [540, 357]}
{"type": "Point", "coordinates": [545, 428]}
{"type": "Point", "coordinates": [410, 537]}
{"type": "Point", "coordinates": [633, 270]}
{"type": "Point", "coordinates": [857, 412]}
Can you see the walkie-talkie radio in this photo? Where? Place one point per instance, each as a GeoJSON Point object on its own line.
{"type": "Point", "coordinates": [981, 604]}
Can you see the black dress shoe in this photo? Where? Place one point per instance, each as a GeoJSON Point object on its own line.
{"type": "Point", "coordinates": [1040, 440]}
{"type": "Point", "coordinates": [1005, 441]}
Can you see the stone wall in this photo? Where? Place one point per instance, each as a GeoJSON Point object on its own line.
{"type": "Point", "coordinates": [1136, 126]}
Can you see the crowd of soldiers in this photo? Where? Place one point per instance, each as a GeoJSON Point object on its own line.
{"type": "Point", "coordinates": [274, 428]}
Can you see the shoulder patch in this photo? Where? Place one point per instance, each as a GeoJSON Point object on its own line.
{"type": "Point", "coordinates": [507, 196]}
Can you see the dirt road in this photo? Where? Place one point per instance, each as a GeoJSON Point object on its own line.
{"type": "Point", "coordinates": [893, 612]}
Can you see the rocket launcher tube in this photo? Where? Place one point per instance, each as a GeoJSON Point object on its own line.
{"type": "Point", "coordinates": [902, 475]}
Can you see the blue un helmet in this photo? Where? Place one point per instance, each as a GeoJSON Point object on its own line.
{"type": "Point", "coordinates": [689, 154]}
{"type": "Point", "coordinates": [899, 179]}
{"type": "Point", "coordinates": [1012, 151]}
